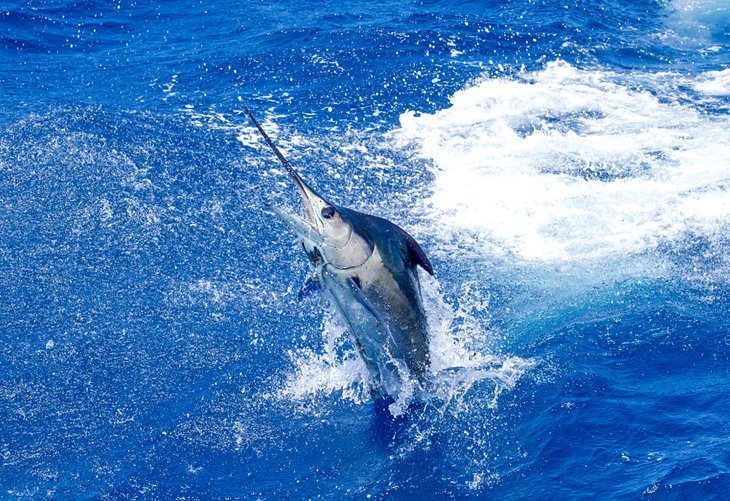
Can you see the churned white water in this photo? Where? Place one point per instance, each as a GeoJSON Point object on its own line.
{"type": "Point", "coordinates": [571, 164]}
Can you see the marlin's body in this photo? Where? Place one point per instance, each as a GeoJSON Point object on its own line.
{"type": "Point", "coordinates": [369, 266]}
{"type": "Point", "coordinates": [381, 302]}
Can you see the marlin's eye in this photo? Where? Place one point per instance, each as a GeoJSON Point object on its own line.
{"type": "Point", "coordinates": [328, 211]}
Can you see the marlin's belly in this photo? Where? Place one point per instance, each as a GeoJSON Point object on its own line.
{"type": "Point", "coordinates": [388, 328]}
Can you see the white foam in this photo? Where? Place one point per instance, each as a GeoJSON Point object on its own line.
{"type": "Point", "coordinates": [714, 83]}
{"type": "Point", "coordinates": [567, 164]}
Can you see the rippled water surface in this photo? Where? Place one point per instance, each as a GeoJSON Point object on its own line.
{"type": "Point", "coordinates": [565, 166]}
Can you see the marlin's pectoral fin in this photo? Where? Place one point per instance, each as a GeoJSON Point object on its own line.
{"type": "Point", "coordinates": [359, 296]}
{"type": "Point", "coordinates": [310, 285]}
{"type": "Point", "coordinates": [415, 253]}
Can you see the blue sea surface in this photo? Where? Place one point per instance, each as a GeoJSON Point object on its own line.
{"type": "Point", "coordinates": [565, 166]}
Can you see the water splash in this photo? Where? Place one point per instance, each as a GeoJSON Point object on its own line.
{"type": "Point", "coordinates": [565, 164]}
{"type": "Point", "coordinates": [461, 350]}
{"type": "Point", "coordinates": [337, 368]}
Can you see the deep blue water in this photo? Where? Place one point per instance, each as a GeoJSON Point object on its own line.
{"type": "Point", "coordinates": [565, 165]}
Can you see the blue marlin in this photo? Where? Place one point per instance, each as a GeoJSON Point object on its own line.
{"type": "Point", "coordinates": [369, 267]}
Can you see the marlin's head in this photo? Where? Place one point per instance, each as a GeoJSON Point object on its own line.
{"type": "Point", "coordinates": [327, 234]}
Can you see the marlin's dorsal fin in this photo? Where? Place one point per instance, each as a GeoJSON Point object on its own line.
{"type": "Point", "coordinates": [415, 253]}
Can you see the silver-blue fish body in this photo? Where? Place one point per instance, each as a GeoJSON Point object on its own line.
{"type": "Point", "coordinates": [380, 300]}
{"type": "Point", "coordinates": [369, 266]}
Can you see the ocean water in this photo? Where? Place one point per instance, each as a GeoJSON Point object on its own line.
{"type": "Point", "coordinates": [565, 166]}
